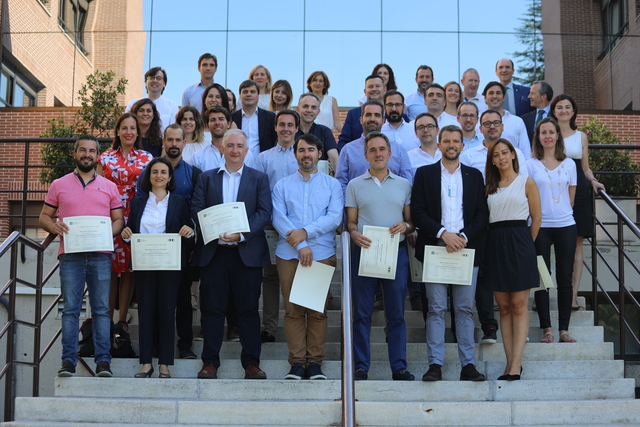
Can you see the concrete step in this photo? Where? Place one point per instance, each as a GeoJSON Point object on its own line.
{"type": "Point", "coordinates": [379, 391]}
{"type": "Point", "coordinates": [380, 370]}
{"type": "Point", "coordinates": [172, 412]}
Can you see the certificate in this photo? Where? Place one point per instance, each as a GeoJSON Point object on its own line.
{"type": "Point", "coordinates": [311, 286]}
{"type": "Point", "coordinates": [272, 242]}
{"type": "Point", "coordinates": [323, 166]}
{"type": "Point", "coordinates": [415, 266]}
{"type": "Point", "coordinates": [227, 218]}
{"type": "Point", "coordinates": [545, 277]}
{"type": "Point", "coordinates": [88, 234]}
{"type": "Point", "coordinates": [381, 258]}
{"type": "Point", "coordinates": [450, 268]}
{"type": "Point", "coordinates": [155, 251]}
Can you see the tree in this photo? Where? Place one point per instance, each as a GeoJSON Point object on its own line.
{"type": "Point", "coordinates": [99, 110]}
{"type": "Point", "coordinates": [529, 34]}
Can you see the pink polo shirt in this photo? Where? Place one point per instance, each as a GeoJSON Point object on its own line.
{"type": "Point", "coordinates": [71, 197]}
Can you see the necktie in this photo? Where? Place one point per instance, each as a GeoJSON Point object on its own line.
{"type": "Point", "coordinates": [539, 116]}
{"type": "Point", "coordinates": [505, 104]}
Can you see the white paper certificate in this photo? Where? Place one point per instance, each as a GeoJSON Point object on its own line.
{"type": "Point", "coordinates": [311, 286]}
{"type": "Point", "coordinates": [451, 268]}
{"type": "Point", "coordinates": [227, 218]}
{"type": "Point", "coordinates": [88, 234]}
{"type": "Point", "coordinates": [155, 251]}
{"type": "Point", "coordinates": [272, 242]}
{"type": "Point", "coordinates": [415, 266]}
{"type": "Point", "coordinates": [381, 258]}
{"type": "Point", "coordinates": [545, 278]}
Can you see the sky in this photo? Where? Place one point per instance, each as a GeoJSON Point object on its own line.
{"type": "Point", "coordinates": [344, 38]}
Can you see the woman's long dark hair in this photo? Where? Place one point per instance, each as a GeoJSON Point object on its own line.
{"type": "Point", "coordinates": [154, 134]}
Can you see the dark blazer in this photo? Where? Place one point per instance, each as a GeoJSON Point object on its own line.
{"type": "Point", "coordinates": [266, 127]}
{"type": "Point", "coordinates": [351, 129]}
{"type": "Point", "coordinates": [255, 193]}
{"type": "Point", "coordinates": [529, 120]}
{"type": "Point", "coordinates": [177, 215]}
{"type": "Point", "coordinates": [426, 208]}
{"type": "Point", "coordinates": [521, 97]}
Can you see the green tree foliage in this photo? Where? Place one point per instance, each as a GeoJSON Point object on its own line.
{"type": "Point", "coordinates": [99, 110]}
{"type": "Point", "coordinates": [611, 160]}
{"type": "Point", "coordinates": [529, 34]}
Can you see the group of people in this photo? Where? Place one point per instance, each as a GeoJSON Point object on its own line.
{"type": "Point", "coordinates": [505, 173]}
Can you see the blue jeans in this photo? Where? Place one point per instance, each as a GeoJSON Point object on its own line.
{"type": "Point", "coordinates": [94, 269]}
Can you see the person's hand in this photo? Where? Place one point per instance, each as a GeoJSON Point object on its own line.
{"type": "Point", "coordinates": [230, 238]}
{"type": "Point", "coordinates": [453, 241]}
{"type": "Point", "coordinates": [126, 233]}
{"type": "Point", "coordinates": [398, 227]}
{"type": "Point", "coordinates": [597, 186]}
{"type": "Point", "coordinates": [185, 231]}
{"type": "Point", "coordinates": [306, 256]}
{"type": "Point", "coordinates": [297, 236]}
{"type": "Point", "coordinates": [360, 239]}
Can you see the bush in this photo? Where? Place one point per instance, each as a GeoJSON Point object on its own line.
{"type": "Point", "coordinates": [96, 116]}
{"type": "Point", "coordinates": [610, 160]}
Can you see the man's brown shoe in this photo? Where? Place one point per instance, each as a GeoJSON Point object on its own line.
{"type": "Point", "coordinates": [208, 372]}
{"type": "Point", "coordinates": [254, 373]}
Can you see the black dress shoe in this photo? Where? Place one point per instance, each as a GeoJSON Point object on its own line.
{"type": "Point", "coordinates": [186, 353]}
{"type": "Point", "coordinates": [434, 373]}
{"type": "Point", "coordinates": [470, 373]}
{"type": "Point", "coordinates": [267, 337]}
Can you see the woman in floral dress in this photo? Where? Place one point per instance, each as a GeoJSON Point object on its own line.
{"type": "Point", "coordinates": [122, 165]}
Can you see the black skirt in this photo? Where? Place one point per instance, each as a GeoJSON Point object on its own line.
{"type": "Point", "coordinates": [510, 263]}
{"type": "Point", "coordinates": [582, 207]}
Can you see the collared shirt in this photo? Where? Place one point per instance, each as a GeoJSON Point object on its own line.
{"type": "Point", "coordinates": [182, 176]}
{"type": "Point", "coordinates": [325, 135]}
{"type": "Point", "coordinates": [167, 109]}
{"type": "Point", "coordinates": [419, 157]}
{"type": "Point", "coordinates": [277, 162]}
{"type": "Point", "coordinates": [476, 157]}
{"type": "Point", "coordinates": [315, 205]}
{"type": "Point", "coordinates": [415, 105]}
{"type": "Point", "coordinates": [210, 158]}
{"type": "Point", "coordinates": [515, 132]}
{"type": "Point", "coordinates": [546, 112]}
{"type": "Point", "coordinates": [451, 195]}
{"type": "Point", "coordinates": [154, 216]}
{"type": "Point", "coordinates": [352, 162]}
{"type": "Point", "coordinates": [251, 129]}
{"type": "Point", "coordinates": [446, 119]}
{"type": "Point", "coordinates": [230, 185]}
{"type": "Point", "coordinates": [479, 101]}
{"type": "Point", "coordinates": [193, 95]}
{"type": "Point", "coordinates": [405, 135]}
{"type": "Point", "coordinates": [474, 142]}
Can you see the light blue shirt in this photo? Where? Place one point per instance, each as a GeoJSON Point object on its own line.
{"type": "Point", "coordinates": [475, 141]}
{"type": "Point", "coordinates": [415, 105]}
{"type": "Point", "coordinates": [277, 162]}
{"type": "Point", "coordinates": [352, 163]}
{"type": "Point", "coordinates": [405, 135]}
{"type": "Point", "coordinates": [193, 96]}
{"type": "Point", "coordinates": [210, 158]}
{"type": "Point", "coordinates": [315, 205]}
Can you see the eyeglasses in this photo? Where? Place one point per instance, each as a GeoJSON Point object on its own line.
{"type": "Point", "coordinates": [156, 78]}
{"type": "Point", "coordinates": [427, 127]}
{"type": "Point", "coordinates": [468, 116]}
{"type": "Point", "coordinates": [392, 105]}
{"type": "Point", "coordinates": [495, 123]}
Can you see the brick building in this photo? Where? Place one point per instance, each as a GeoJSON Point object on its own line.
{"type": "Point", "coordinates": [50, 46]}
{"type": "Point", "coordinates": [591, 51]}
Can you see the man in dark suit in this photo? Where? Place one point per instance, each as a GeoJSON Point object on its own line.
{"type": "Point", "coordinates": [456, 220]}
{"type": "Point", "coordinates": [374, 89]}
{"type": "Point", "coordinates": [516, 99]}
{"type": "Point", "coordinates": [540, 97]}
{"type": "Point", "coordinates": [232, 263]}
{"type": "Point", "coordinates": [257, 124]}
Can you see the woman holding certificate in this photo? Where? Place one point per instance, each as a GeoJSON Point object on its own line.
{"type": "Point", "coordinates": [122, 165]}
{"type": "Point", "coordinates": [556, 177]}
{"type": "Point", "coordinates": [510, 259]}
{"type": "Point", "coordinates": [158, 212]}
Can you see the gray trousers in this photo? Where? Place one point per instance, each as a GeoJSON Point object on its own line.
{"type": "Point", "coordinates": [463, 297]}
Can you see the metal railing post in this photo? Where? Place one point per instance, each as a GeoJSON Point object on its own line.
{"type": "Point", "coordinates": [348, 392]}
{"type": "Point", "coordinates": [621, 289]}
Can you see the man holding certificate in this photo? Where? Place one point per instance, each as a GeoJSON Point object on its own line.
{"type": "Point", "coordinates": [91, 196]}
{"type": "Point", "coordinates": [379, 201]}
{"type": "Point", "coordinates": [232, 262]}
{"type": "Point", "coordinates": [307, 209]}
{"type": "Point", "coordinates": [449, 209]}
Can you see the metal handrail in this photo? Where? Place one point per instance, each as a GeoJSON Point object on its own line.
{"type": "Point", "coordinates": [11, 245]}
{"type": "Point", "coordinates": [348, 385]}
{"type": "Point", "coordinates": [624, 293]}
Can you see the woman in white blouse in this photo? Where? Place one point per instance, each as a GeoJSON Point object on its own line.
{"type": "Point", "coordinates": [555, 176]}
{"type": "Point", "coordinates": [158, 211]}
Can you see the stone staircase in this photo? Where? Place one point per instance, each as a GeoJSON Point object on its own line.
{"type": "Point", "coordinates": [562, 384]}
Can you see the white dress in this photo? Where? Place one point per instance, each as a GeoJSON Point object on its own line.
{"type": "Point", "coordinates": [326, 112]}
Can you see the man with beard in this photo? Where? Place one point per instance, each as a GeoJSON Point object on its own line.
{"type": "Point", "coordinates": [218, 120]}
{"type": "Point", "coordinates": [186, 177]}
{"type": "Point", "coordinates": [84, 193]}
{"type": "Point", "coordinates": [307, 209]}
{"type": "Point", "coordinates": [449, 208]}
{"type": "Point", "coordinates": [308, 108]}
{"type": "Point", "coordinates": [396, 129]}
{"type": "Point", "coordinates": [352, 163]}
{"type": "Point", "coordinates": [415, 101]}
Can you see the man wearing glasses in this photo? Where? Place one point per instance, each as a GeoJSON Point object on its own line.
{"type": "Point", "coordinates": [468, 120]}
{"type": "Point", "coordinates": [155, 80]}
{"type": "Point", "coordinates": [426, 129]}
{"type": "Point", "coordinates": [513, 129]}
{"type": "Point", "coordinates": [396, 129]}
